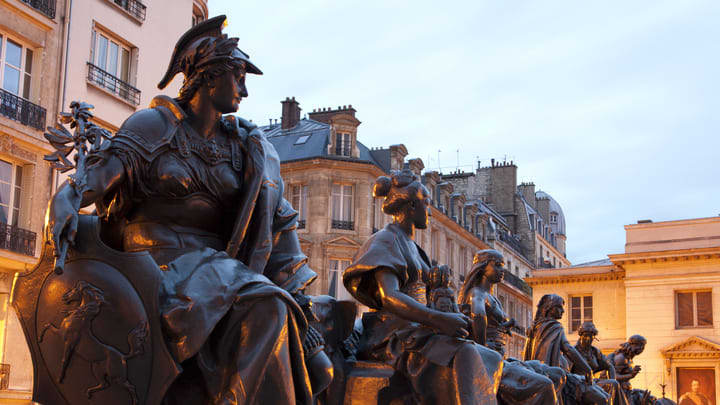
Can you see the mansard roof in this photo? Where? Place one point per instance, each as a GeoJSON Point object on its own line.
{"type": "Point", "coordinates": [559, 227]}
{"type": "Point", "coordinates": [292, 146]}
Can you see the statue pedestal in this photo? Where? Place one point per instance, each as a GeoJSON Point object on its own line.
{"type": "Point", "coordinates": [370, 383]}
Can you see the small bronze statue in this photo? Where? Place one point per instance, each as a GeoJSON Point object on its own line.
{"type": "Point", "coordinates": [192, 258]}
{"type": "Point", "coordinates": [598, 363]}
{"type": "Point", "coordinates": [425, 346]}
{"type": "Point", "coordinates": [441, 294]}
{"type": "Point", "coordinates": [522, 382]}
{"type": "Point", "coordinates": [547, 343]}
{"type": "Point", "coordinates": [621, 359]}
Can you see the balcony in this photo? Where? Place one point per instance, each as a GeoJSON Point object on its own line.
{"type": "Point", "coordinates": [112, 84]}
{"type": "Point", "coordinates": [518, 283]}
{"type": "Point", "coordinates": [19, 109]}
{"type": "Point", "coordinates": [545, 265]}
{"type": "Point", "coordinates": [46, 7]}
{"type": "Point", "coordinates": [17, 240]}
{"type": "Point", "coordinates": [134, 7]}
{"type": "Point", "coordinates": [301, 224]}
{"type": "Point", "coordinates": [345, 225]}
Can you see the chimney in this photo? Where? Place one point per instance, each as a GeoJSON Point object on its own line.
{"type": "Point", "coordinates": [290, 113]}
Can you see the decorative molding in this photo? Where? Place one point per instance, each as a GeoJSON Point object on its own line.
{"type": "Point", "coordinates": [692, 348]}
{"type": "Point", "coordinates": [612, 275]}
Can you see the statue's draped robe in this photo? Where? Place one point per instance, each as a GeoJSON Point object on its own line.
{"type": "Point", "coordinates": [228, 314]}
{"type": "Point", "coordinates": [418, 352]}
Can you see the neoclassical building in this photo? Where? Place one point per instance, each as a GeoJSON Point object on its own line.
{"type": "Point", "coordinates": [666, 287]}
{"type": "Point", "coordinates": [328, 178]}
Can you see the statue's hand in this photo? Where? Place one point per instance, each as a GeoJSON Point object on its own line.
{"type": "Point", "coordinates": [453, 324]}
{"type": "Point", "coordinates": [63, 219]}
{"type": "Point", "coordinates": [636, 370]}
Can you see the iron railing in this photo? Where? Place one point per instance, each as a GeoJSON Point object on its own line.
{"type": "Point", "coordinates": [17, 239]}
{"type": "Point", "coordinates": [518, 283]}
{"type": "Point", "coordinates": [19, 109]}
{"type": "Point", "coordinates": [512, 241]}
{"type": "Point", "coordinates": [46, 7]}
{"type": "Point", "coordinates": [134, 7]}
{"type": "Point", "coordinates": [545, 265]}
{"type": "Point", "coordinates": [346, 225]}
{"type": "Point", "coordinates": [113, 84]}
{"type": "Point", "coordinates": [301, 224]}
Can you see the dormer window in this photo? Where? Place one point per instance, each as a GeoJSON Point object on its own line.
{"type": "Point", "coordinates": [553, 217]}
{"type": "Point", "coordinates": [342, 144]}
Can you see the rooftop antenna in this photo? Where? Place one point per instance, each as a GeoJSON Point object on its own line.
{"type": "Point", "coordinates": [439, 168]}
{"type": "Point", "coordinates": [457, 167]}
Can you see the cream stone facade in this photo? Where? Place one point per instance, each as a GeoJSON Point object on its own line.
{"type": "Point", "coordinates": [110, 53]}
{"type": "Point", "coordinates": [666, 287]}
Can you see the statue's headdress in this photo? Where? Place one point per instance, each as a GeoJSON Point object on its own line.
{"type": "Point", "coordinates": [587, 328]}
{"type": "Point", "coordinates": [202, 45]}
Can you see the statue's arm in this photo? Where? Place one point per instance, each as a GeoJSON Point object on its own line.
{"type": "Point", "coordinates": [578, 360]}
{"type": "Point", "coordinates": [605, 365]}
{"type": "Point", "coordinates": [101, 177]}
{"type": "Point", "coordinates": [400, 304]}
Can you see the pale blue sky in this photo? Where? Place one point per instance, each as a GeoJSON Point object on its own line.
{"type": "Point", "coordinates": [611, 107]}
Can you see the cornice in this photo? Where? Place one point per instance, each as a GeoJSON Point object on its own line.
{"type": "Point", "coordinates": [611, 275]}
{"type": "Point", "coordinates": [666, 256]}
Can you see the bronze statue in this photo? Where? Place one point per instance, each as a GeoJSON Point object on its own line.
{"type": "Point", "coordinates": [425, 346]}
{"type": "Point", "coordinates": [621, 359]}
{"type": "Point", "coordinates": [547, 343]}
{"type": "Point", "coordinates": [598, 363]}
{"type": "Point", "coordinates": [441, 294]}
{"type": "Point", "coordinates": [190, 209]}
{"type": "Point", "coordinates": [522, 382]}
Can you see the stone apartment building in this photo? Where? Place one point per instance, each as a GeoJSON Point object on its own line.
{"type": "Point", "coordinates": [328, 176]}
{"type": "Point", "coordinates": [532, 221]}
{"type": "Point", "coordinates": [666, 287]}
{"type": "Point", "coordinates": [110, 53]}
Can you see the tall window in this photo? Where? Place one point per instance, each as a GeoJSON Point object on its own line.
{"type": "Point", "coordinates": [450, 255]}
{"type": "Point", "coordinates": [16, 62]}
{"type": "Point", "coordinates": [693, 309]}
{"type": "Point", "coordinates": [434, 245]}
{"type": "Point", "coordinates": [335, 286]}
{"type": "Point", "coordinates": [553, 217]}
{"type": "Point", "coordinates": [299, 202]}
{"type": "Point", "coordinates": [110, 56]}
{"type": "Point", "coordinates": [342, 206]}
{"type": "Point", "coordinates": [342, 144]}
{"type": "Point", "coordinates": [10, 192]}
{"type": "Point", "coordinates": [580, 311]}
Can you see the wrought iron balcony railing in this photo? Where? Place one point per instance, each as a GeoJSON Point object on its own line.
{"type": "Point", "coordinates": [46, 7]}
{"type": "Point", "coordinates": [518, 283]}
{"type": "Point", "coordinates": [134, 7]}
{"type": "Point", "coordinates": [113, 84]}
{"type": "Point", "coordinates": [301, 224]}
{"type": "Point", "coordinates": [17, 239]}
{"type": "Point", "coordinates": [19, 109]}
{"type": "Point", "coordinates": [346, 225]}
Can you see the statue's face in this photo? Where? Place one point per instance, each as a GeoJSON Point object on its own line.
{"type": "Point", "coordinates": [495, 271]}
{"type": "Point", "coordinates": [227, 90]}
{"type": "Point", "coordinates": [586, 339]}
{"type": "Point", "coordinates": [444, 304]}
{"type": "Point", "coordinates": [421, 213]}
{"type": "Point", "coordinates": [637, 348]}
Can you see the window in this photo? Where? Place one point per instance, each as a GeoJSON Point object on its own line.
{"type": "Point", "coordinates": [335, 285]}
{"type": "Point", "coordinates": [299, 202]}
{"type": "Point", "coordinates": [342, 206]}
{"type": "Point", "coordinates": [10, 192]}
{"type": "Point", "coordinates": [434, 245]}
{"type": "Point", "coordinates": [342, 144]}
{"type": "Point", "coordinates": [553, 217]}
{"type": "Point", "coordinates": [580, 311]}
{"type": "Point", "coordinates": [693, 309]}
{"type": "Point", "coordinates": [110, 56]}
{"type": "Point", "coordinates": [450, 255]}
{"type": "Point", "coordinates": [302, 140]}
{"type": "Point", "coordinates": [16, 62]}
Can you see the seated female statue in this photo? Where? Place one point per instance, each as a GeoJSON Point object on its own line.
{"type": "Point", "coordinates": [547, 343]}
{"type": "Point", "coordinates": [598, 363]}
{"type": "Point", "coordinates": [522, 382]}
{"type": "Point", "coordinates": [202, 194]}
{"type": "Point", "coordinates": [426, 346]}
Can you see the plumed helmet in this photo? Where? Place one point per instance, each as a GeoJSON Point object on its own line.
{"type": "Point", "coordinates": [202, 45]}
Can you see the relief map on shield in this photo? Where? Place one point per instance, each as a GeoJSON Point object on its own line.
{"type": "Point", "coordinates": [696, 386]}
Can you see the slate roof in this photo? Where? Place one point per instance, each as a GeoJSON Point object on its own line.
{"type": "Point", "coordinates": [558, 228]}
{"type": "Point", "coordinates": [601, 262]}
{"type": "Point", "coordinates": [286, 143]}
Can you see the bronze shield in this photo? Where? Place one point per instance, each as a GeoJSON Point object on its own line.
{"type": "Point", "coordinates": [94, 331]}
